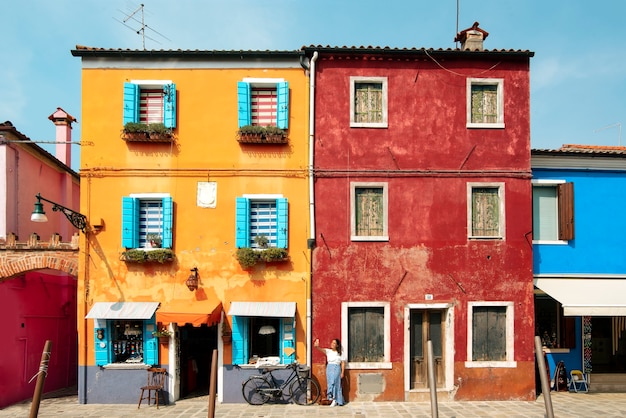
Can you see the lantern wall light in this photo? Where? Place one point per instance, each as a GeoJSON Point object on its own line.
{"type": "Point", "coordinates": [77, 219]}
{"type": "Point", "coordinates": [192, 280]}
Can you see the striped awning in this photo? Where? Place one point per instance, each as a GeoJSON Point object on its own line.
{"type": "Point", "coordinates": [122, 310]}
{"type": "Point", "coordinates": [273, 309]}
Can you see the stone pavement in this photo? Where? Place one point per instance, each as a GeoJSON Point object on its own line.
{"type": "Point", "coordinates": [565, 405]}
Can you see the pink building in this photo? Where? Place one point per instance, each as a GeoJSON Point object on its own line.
{"type": "Point", "coordinates": [423, 219]}
{"type": "Point", "coordinates": [37, 304]}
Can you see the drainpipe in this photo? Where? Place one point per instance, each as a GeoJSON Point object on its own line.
{"type": "Point", "coordinates": [311, 242]}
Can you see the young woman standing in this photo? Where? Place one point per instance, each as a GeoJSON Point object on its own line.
{"type": "Point", "coordinates": [335, 368]}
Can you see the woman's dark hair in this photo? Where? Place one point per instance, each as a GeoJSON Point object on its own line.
{"type": "Point", "coordinates": [338, 345]}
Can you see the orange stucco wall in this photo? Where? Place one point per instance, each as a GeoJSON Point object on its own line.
{"type": "Point", "coordinates": [205, 149]}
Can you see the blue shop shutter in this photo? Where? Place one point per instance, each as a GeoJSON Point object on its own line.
{"type": "Point", "coordinates": [168, 216]}
{"type": "Point", "coordinates": [131, 102]}
{"type": "Point", "coordinates": [130, 227]}
{"type": "Point", "coordinates": [282, 93]}
{"type": "Point", "coordinates": [243, 100]}
{"type": "Point", "coordinates": [150, 343]}
{"type": "Point", "coordinates": [282, 224]}
{"type": "Point", "coordinates": [242, 222]}
{"type": "Point", "coordinates": [287, 330]}
{"type": "Point", "coordinates": [240, 340]}
{"type": "Point", "coordinates": [169, 105]}
{"type": "Point", "coordinates": [102, 353]}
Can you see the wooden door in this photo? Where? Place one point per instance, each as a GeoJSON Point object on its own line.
{"type": "Point", "coordinates": [426, 324]}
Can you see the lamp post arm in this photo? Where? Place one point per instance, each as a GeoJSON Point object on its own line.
{"type": "Point", "coordinates": [77, 219]}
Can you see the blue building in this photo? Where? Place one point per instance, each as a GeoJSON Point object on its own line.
{"type": "Point", "coordinates": [579, 258]}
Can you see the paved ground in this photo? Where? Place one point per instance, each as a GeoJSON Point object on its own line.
{"type": "Point", "coordinates": [565, 405]}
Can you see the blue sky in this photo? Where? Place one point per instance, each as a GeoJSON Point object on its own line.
{"type": "Point", "coordinates": [578, 74]}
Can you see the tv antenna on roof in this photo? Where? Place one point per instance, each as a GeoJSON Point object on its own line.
{"type": "Point", "coordinates": [618, 125]}
{"type": "Point", "coordinates": [142, 29]}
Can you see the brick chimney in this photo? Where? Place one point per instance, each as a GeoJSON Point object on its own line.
{"type": "Point", "coordinates": [472, 38]}
{"type": "Point", "coordinates": [63, 122]}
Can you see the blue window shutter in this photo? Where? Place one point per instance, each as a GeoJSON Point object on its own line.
{"type": "Point", "coordinates": [131, 102]}
{"type": "Point", "coordinates": [282, 93]}
{"type": "Point", "coordinates": [102, 353]}
{"type": "Point", "coordinates": [168, 217]}
{"type": "Point", "coordinates": [242, 222]}
{"type": "Point", "coordinates": [240, 340]}
{"type": "Point", "coordinates": [282, 224]}
{"type": "Point", "coordinates": [150, 343]}
{"type": "Point", "coordinates": [130, 226]}
{"type": "Point", "coordinates": [243, 101]}
{"type": "Point", "coordinates": [287, 327]}
{"type": "Point", "coordinates": [169, 106]}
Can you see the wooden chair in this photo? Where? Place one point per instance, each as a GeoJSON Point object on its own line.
{"type": "Point", "coordinates": [156, 381]}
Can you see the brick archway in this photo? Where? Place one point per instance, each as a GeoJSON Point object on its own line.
{"type": "Point", "coordinates": [17, 258]}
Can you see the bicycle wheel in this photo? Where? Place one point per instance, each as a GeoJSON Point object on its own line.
{"type": "Point", "coordinates": [254, 390]}
{"type": "Point", "coordinates": [305, 391]}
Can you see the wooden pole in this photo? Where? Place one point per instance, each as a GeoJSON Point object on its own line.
{"type": "Point", "coordinates": [41, 378]}
{"type": "Point", "coordinates": [545, 385]}
{"type": "Point", "coordinates": [432, 382]}
{"type": "Point", "coordinates": [212, 385]}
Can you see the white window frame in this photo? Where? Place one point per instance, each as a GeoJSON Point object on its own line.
{"type": "Point", "coordinates": [510, 333]}
{"type": "Point", "coordinates": [499, 82]}
{"type": "Point", "coordinates": [386, 364]}
{"type": "Point", "coordinates": [353, 81]}
{"type": "Point", "coordinates": [555, 184]}
{"type": "Point", "coordinates": [501, 226]}
{"type": "Point", "coordinates": [353, 235]}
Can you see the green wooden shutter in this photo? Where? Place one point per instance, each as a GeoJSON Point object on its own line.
{"type": "Point", "coordinates": [287, 329]}
{"type": "Point", "coordinates": [168, 218]}
{"type": "Point", "coordinates": [150, 343]}
{"type": "Point", "coordinates": [169, 105]}
{"type": "Point", "coordinates": [130, 222]}
{"type": "Point", "coordinates": [240, 340]}
{"type": "Point", "coordinates": [243, 100]}
{"type": "Point", "coordinates": [242, 222]}
{"type": "Point", "coordinates": [131, 103]}
{"type": "Point", "coordinates": [282, 223]}
{"type": "Point", "coordinates": [282, 105]}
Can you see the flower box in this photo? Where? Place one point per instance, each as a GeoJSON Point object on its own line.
{"type": "Point", "coordinates": [253, 134]}
{"type": "Point", "coordinates": [140, 255]}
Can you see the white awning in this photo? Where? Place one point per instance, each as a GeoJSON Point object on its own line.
{"type": "Point", "coordinates": [274, 309]}
{"type": "Point", "coordinates": [122, 310]}
{"type": "Point", "coordinates": [587, 296]}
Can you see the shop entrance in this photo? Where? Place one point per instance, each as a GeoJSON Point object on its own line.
{"type": "Point", "coordinates": [196, 352]}
{"type": "Point", "coordinates": [608, 336]}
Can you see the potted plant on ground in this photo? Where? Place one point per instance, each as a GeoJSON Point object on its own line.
{"type": "Point", "coordinates": [135, 131]}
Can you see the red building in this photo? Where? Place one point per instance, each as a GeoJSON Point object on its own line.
{"type": "Point", "coordinates": [422, 202]}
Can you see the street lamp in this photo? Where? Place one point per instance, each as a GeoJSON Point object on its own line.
{"type": "Point", "coordinates": [78, 220]}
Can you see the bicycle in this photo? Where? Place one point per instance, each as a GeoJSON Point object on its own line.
{"type": "Point", "coordinates": [303, 390]}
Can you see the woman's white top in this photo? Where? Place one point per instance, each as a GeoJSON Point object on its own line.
{"type": "Point", "coordinates": [333, 357]}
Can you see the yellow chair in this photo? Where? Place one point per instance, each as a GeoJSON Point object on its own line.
{"type": "Point", "coordinates": [578, 381]}
{"type": "Point", "coordinates": [156, 381]}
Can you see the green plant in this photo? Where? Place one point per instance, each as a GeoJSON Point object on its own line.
{"type": "Point", "coordinates": [154, 240]}
{"type": "Point", "coordinates": [274, 130]}
{"type": "Point", "coordinates": [163, 332]}
{"type": "Point", "coordinates": [273, 254]}
{"type": "Point", "coordinates": [134, 256]}
{"type": "Point", "coordinates": [131, 127]}
{"type": "Point", "coordinates": [247, 257]}
{"type": "Point", "coordinates": [157, 128]}
{"type": "Point", "coordinates": [138, 255]}
{"type": "Point", "coordinates": [252, 129]}
{"type": "Point", "coordinates": [161, 255]}
{"type": "Point", "coordinates": [261, 241]}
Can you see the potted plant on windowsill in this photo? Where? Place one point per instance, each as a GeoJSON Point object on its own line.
{"type": "Point", "coordinates": [154, 240]}
{"type": "Point", "coordinates": [251, 134]}
{"type": "Point", "coordinates": [157, 132]}
{"type": "Point", "coordinates": [248, 257]}
{"type": "Point", "coordinates": [274, 134]}
{"type": "Point", "coordinates": [142, 255]}
{"type": "Point", "coordinates": [135, 131]}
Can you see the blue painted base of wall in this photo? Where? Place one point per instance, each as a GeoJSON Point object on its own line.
{"type": "Point", "coordinates": [234, 379]}
{"type": "Point", "coordinates": [111, 386]}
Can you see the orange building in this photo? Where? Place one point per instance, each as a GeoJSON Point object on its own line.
{"type": "Point", "coordinates": [197, 229]}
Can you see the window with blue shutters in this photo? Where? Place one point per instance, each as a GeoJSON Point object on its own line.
{"type": "Point", "coordinates": [125, 341]}
{"type": "Point", "coordinates": [257, 337]}
{"type": "Point", "coordinates": [147, 214]}
{"type": "Point", "coordinates": [262, 215]}
{"type": "Point", "coordinates": [150, 101]}
{"type": "Point", "coordinates": [263, 102]}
